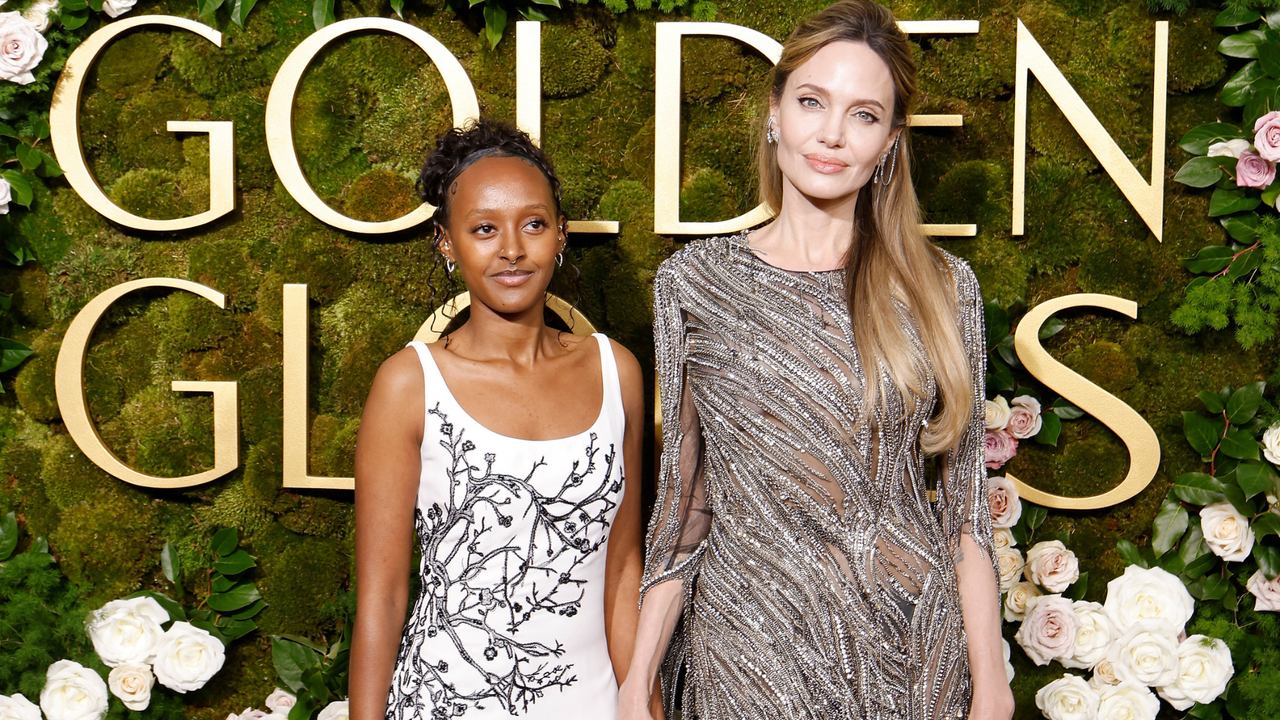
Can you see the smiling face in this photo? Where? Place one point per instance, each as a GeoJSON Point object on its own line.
{"type": "Point", "coordinates": [503, 233]}
{"type": "Point", "coordinates": [834, 120]}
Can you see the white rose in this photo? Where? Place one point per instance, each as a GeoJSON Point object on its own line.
{"type": "Point", "coordinates": [132, 683]}
{"type": "Point", "coordinates": [997, 415]}
{"type": "Point", "coordinates": [1068, 698]}
{"type": "Point", "coordinates": [1049, 630]}
{"type": "Point", "coordinates": [1008, 653]}
{"type": "Point", "coordinates": [249, 714]}
{"type": "Point", "coordinates": [1145, 653]}
{"type": "Point", "coordinates": [1148, 594]}
{"type": "Point", "coordinates": [127, 631]}
{"type": "Point", "coordinates": [187, 657]}
{"type": "Point", "coordinates": [1016, 600]}
{"type": "Point", "coordinates": [1024, 417]}
{"type": "Point", "coordinates": [21, 48]}
{"type": "Point", "coordinates": [335, 711]}
{"type": "Point", "coordinates": [280, 700]}
{"type": "Point", "coordinates": [1266, 592]}
{"type": "Point", "coordinates": [5, 196]}
{"type": "Point", "coordinates": [1010, 562]}
{"type": "Point", "coordinates": [73, 692]}
{"type": "Point", "coordinates": [1006, 506]}
{"type": "Point", "coordinates": [1204, 668]}
{"type": "Point", "coordinates": [1271, 444]}
{"type": "Point", "coordinates": [116, 8]}
{"type": "Point", "coordinates": [1230, 148]}
{"type": "Point", "coordinates": [39, 12]}
{"type": "Point", "coordinates": [1094, 634]}
{"type": "Point", "coordinates": [1104, 674]}
{"type": "Point", "coordinates": [1052, 566]}
{"type": "Point", "coordinates": [1226, 531]}
{"type": "Point", "coordinates": [1127, 701]}
{"type": "Point", "coordinates": [1003, 538]}
{"type": "Point", "coordinates": [18, 707]}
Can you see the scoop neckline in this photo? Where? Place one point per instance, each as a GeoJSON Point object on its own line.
{"type": "Point", "coordinates": [745, 246]}
{"type": "Point", "coordinates": [604, 401]}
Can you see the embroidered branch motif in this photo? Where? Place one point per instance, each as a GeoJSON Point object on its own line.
{"type": "Point", "coordinates": [536, 570]}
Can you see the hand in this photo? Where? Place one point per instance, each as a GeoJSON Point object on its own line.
{"type": "Point", "coordinates": [633, 701]}
{"type": "Point", "coordinates": [992, 701]}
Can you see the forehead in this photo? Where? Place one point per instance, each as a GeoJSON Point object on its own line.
{"type": "Point", "coordinates": [847, 69]}
{"type": "Point", "coordinates": [508, 178]}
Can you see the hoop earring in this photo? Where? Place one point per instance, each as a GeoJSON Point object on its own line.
{"type": "Point", "coordinates": [559, 259]}
{"type": "Point", "coordinates": [893, 162]}
{"type": "Point", "coordinates": [449, 265]}
{"type": "Point", "coordinates": [771, 134]}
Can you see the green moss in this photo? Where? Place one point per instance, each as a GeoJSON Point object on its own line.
{"type": "Point", "coordinates": [34, 388]}
{"type": "Point", "coordinates": [315, 259]}
{"type": "Point", "coordinates": [213, 71]}
{"type": "Point", "coordinates": [143, 139]}
{"type": "Point", "coordinates": [1106, 364]}
{"type": "Point", "coordinates": [235, 507]}
{"type": "Point", "coordinates": [43, 232]}
{"type": "Point", "coordinates": [21, 464]}
{"type": "Point", "coordinates": [130, 64]}
{"type": "Point", "coordinates": [967, 193]}
{"type": "Point", "coordinates": [359, 332]}
{"type": "Point", "coordinates": [195, 323]}
{"type": "Point", "coordinates": [1194, 60]}
{"type": "Point", "coordinates": [111, 520]}
{"type": "Point", "coordinates": [320, 517]}
{"type": "Point", "coordinates": [572, 61]}
{"type": "Point", "coordinates": [263, 476]}
{"type": "Point", "coordinates": [164, 433]}
{"type": "Point", "coordinates": [407, 120]}
{"type": "Point", "coordinates": [380, 195]}
{"type": "Point", "coordinates": [300, 574]}
{"type": "Point", "coordinates": [333, 445]}
{"type": "Point", "coordinates": [706, 196]}
{"type": "Point", "coordinates": [154, 194]}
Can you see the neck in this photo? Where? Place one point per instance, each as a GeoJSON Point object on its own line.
{"type": "Point", "coordinates": [519, 338]}
{"type": "Point", "coordinates": [808, 233]}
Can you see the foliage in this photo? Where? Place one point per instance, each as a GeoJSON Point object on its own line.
{"type": "Point", "coordinates": [317, 673]}
{"type": "Point", "coordinates": [1002, 361]}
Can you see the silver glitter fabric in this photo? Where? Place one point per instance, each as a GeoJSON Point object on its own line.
{"type": "Point", "coordinates": [819, 577]}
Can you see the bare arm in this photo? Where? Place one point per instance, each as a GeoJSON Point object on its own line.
{"type": "Point", "coordinates": [980, 610]}
{"type": "Point", "coordinates": [388, 467]}
{"type": "Point", "coordinates": [640, 697]}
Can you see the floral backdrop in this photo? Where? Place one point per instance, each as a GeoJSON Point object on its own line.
{"type": "Point", "coordinates": [234, 598]}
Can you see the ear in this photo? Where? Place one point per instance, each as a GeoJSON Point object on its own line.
{"type": "Point", "coordinates": [888, 142]}
{"type": "Point", "coordinates": [446, 246]}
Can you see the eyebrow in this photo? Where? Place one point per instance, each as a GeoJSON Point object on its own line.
{"type": "Point", "coordinates": [859, 101]}
{"type": "Point", "coordinates": [487, 211]}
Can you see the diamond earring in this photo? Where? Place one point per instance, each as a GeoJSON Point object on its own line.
{"type": "Point", "coordinates": [771, 135]}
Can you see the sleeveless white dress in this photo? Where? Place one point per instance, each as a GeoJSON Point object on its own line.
{"type": "Point", "coordinates": [513, 535]}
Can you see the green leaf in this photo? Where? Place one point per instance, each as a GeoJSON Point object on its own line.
{"type": "Point", "coordinates": [73, 19]}
{"type": "Point", "coordinates": [1130, 553]}
{"type": "Point", "coordinates": [8, 535]}
{"type": "Point", "coordinates": [205, 8]}
{"type": "Point", "coordinates": [236, 563]}
{"type": "Point", "coordinates": [1200, 172]}
{"type": "Point", "coordinates": [1201, 432]}
{"type": "Point", "coordinates": [1169, 525]}
{"type": "Point", "coordinates": [1034, 514]}
{"type": "Point", "coordinates": [1007, 353]}
{"type": "Point", "coordinates": [1243, 404]}
{"type": "Point", "coordinates": [1239, 444]}
{"type": "Point", "coordinates": [1242, 45]}
{"type": "Point", "coordinates": [1237, 90]}
{"type": "Point", "coordinates": [1078, 588]}
{"type": "Point", "coordinates": [221, 583]}
{"type": "Point", "coordinates": [1195, 552]}
{"type": "Point", "coordinates": [1236, 496]}
{"type": "Point", "coordinates": [1225, 202]}
{"type": "Point", "coordinates": [49, 167]}
{"type": "Point", "coordinates": [171, 606]}
{"type": "Point", "coordinates": [28, 156]}
{"type": "Point", "coordinates": [234, 629]}
{"type": "Point", "coordinates": [304, 708]}
{"type": "Point", "coordinates": [322, 13]}
{"type": "Point", "coordinates": [1212, 402]}
{"type": "Point", "coordinates": [1268, 558]}
{"type": "Point", "coordinates": [1171, 562]}
{"type": "Point", "coordinates": [39, 545]}
{"type": "Point", "coordinates": [1066, 410]}
{"type": "Point", "coordinates": [95, 5]}
{"type": "Point", "coordinates": [1242, 228]}
{"type": "Point", "coordinates": [1270, 194]}
{"type": "Point", "coordinates": [398, 7]}
{"type": "Point", "coordinates": [236, 598]}
{"type": "Point", "coordinates": [1255, 477]}
{"type": "Point", "coordinates": [171, 564]}
{"type": "Point", "coordinates": [305, 642]}
{"type": "Point", "coordinates": [1269, 53]}
{"type": "Point", "coordinates": [1246, 262]}
{"type": "Point", "coordinates": [1199, 489]}
{"type": "Point", "coordinates": [1052, 326]}
{"type": "Point", "coordinates": [997, 323]}
{"type": "Point", "coordinates": [12, 353]}
{"type": "Point", "coordinates": [19, 188]}
{"type": "Point", "coordinates": [240, 10]}
{"type": "Point", "coordinates": [999, 376]}
{"type": "Point", "coordinates": [291, 661]}
{"type": "Point", "coordinates": [1211, 259]}
{"type": "Point", "coordinates": [1268, 523]}
{"type": "Point", "coordinates": [495, 22]}
{"type": "Point", "coordinates": [250, 611]}
{"type": "Point", "coordinates": [1236, 16]}
{"type": "Point", "coordinates": [1237, 706]}
{"type": "Point", "coordinates": [73, 5]}
{"type": "Point", "coordinates": [212, 629]}
{"type": "Point", "coordinates": [224, 541]}
{"type": "Point", "coordinates": [1050, 428]}
{"type": "Point", "coordinates": [532, 13]}
{"type": "Point", "coordinates": [1214, 587]}
{"type": "Point", "coordinates": [553, 3]}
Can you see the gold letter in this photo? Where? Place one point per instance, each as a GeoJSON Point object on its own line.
{"type": "Point", "coordinates": [280, 116]}
{"type": "Point", "coordinates": [1147, 199]}
{"type": "Point", "coordinates": [69, 385]}
{"type": "Point", "coordinates": [1144, 446]}
{"type": "Point", "coordinates": [297, 436]}
{"type": "Point", "coordinates": [64, 130]}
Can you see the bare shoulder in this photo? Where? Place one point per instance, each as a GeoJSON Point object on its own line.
{"type": "Point", "coordinates": [399, 377]}
{"type": "Point", "coordinates": [630, 377]}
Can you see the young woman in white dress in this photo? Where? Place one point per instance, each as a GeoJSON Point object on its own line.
{"type": "Point", "coordinates": [513, 451]}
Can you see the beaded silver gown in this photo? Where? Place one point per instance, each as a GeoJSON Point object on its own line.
{"type": "Point", "coordinates": [819, 576]}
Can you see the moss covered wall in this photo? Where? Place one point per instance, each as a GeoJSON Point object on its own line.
{"type": "Point", "coordinates": [365, 113]}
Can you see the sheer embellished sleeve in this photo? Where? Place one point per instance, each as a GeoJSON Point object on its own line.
{"type": "Point", "coordinates": [681, 518]}
{"type": "Point", "coordinates": [962, 496]}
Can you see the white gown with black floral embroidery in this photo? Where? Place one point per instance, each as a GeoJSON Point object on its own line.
{"type": "Point", "coordinates": [513, 534]}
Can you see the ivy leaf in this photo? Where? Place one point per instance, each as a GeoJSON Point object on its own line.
{"type": "Point", "coordinates": [1078, 588]}
{"type": "Point", "coordinates": [170, 564]}
{"type": "Point", "coordinates": [1238, 89]}
{"type": "Point", "coordinates": [1201, 432]}
{"type": "Point", "coordinates": [19, 188]}
{"type": "Point", "coordinates": [240, 10]}
{"type": "Point", "coordinates": [1050, 428]}
{"type": "Point", "coordinates": [1212, 402]}
{"type": "Point", "coordinates": [999, 376]}
{"type": "Point", "coordinates": [1212, 259]}
{"type": "Point", "coordinates": [1199, 489]}
{"type": "Point", "coordinates": [1169, 525]}
{"type": "Point", "coordinates": [1195, 552]}
{"type": "Point", "coordinates": [1255, 477]}
{"type": "Point", "coordinates": [322, 13]}
{"type": "Point", "coordinates": [1267, 523]}
{"type": "Point", "coordinates": [495, 22]}
{"type": "Point", "coordinates": [997, 323]}
{"type": "Point", "coordinates": [1242, 45]}
{"type": "Point", "coordinates": [8, 535]}
{"type": "Point", "coordinates": [291, 661]}
{"type": "Point", "coordinates": [12, 353]}
{"type": "Point", "coordinates": [1236, 16]}
{"type": "Point", "coordinates": [1066, 410]}
{"type": "Point", "coordinates": [234, 599]}
{"type": "Point", "coordinates": [1269, 53]}
{"type": "Point", "coordinates": [1239, 444]}
{"type": "Point", "coordinates": [236, 563]}
{"type": "Point", "coordinates": [1052, 326]}
{"type": "Point", "coordinates": [1214, 587]}
{"type": "Point", "coordinates": [1200, 172]}
{"type": "Point", "coordinates": [1130, 553]}
{"type": "Point", "coordinates": [1268, 558]}
{"type": "Point", "coordinates": [1243, 404]}
{"type": "Point", "coordinates": [1225, 202]}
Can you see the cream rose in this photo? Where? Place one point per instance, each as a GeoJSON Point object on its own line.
{"type": "Point", "coordinates": [5, 196]}
{"type": "Point", "coordinates": [18, 707]}
{"type": "Point", "coordinates": [997, 415]}
{"type": "Point", "coordinates": [1230, 148]}
{"type": "Point", "coordinates": [1017, 599]}
{"type": "Point", "coordinates": [1204, 668]}
{"type": "Point", "coordinates": [187, 657]}
{"type": "Point", "coordinates": [127, 631]}
{"type": "Point", "coordinates": [132, 683]}
{"type": "Point", "coordinates": [1024, 417]}
{"type": "Point", "coordinates": [1010, 562]}
{"type": "Point", "coordinates": [1127, 701]}
{"type": "Point", "coordinates": [39, 13]}
{"type": "Point", "coordinates": [1008, 653]}
{"type": "Point", "coordinates": [1048, 632]}
{"type": "Point", "coordinates": [1104, 674]}
{"type": "Point", "coordinates": [1145, 653]}
{"type": "Point", "coordinates": [1266, 138]}
{"type": "Point", "coordinates": [1271, 444]}
{"type": "Point", "coordinates": [1226, 531]}
{"type": "Point", "coordinates": [116, 8]}
{"type": "Point", "coordinates": [335, 711]}
{"type": "Point", "coordinates": [1052, 566]}
{"type": "Point", "coordinates": [1068, 698]}
{"type": "Point", "coordinates": [21, 48]}
{"type": "Point", "coordinates": [280, 700]}
{"type": "Point", "coordinates": [1006, 506]}
{"type": "Point", "coordinates": [1094, 634]}
{"type": "Point", "coordinates": [1003, 538]}
{"type": "Point", "coordinates": [73, 692]}
{"type": "Point", "coordinates": [1148, 594]}
{"type": "Point", "coordinates": [1266, 592]}
{"type": "Point", "coordinates": [249, 714]}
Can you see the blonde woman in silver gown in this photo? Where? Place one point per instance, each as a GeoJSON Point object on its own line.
{"type": "Point", "coordinates": [802, 562]}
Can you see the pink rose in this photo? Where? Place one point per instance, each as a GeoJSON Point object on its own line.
{"type": "Point", "coordinates": [1253, 171]}
{"type": "Point", "coordinates": [1024, 418]}
{"type": "Point", "coordinates": [1267, 136]}
{"type": "Point", "coordinates": [1049, 630]}
{"type": "Point", "coordinates": [280, 701]}
{"type": "Point", "coordinates": [1052, 566]}
{"type": "Point", "coordinates": [1006, 506]}
{"type": "Point", "coordinates": [1266, 592]}
{"type": "Point", "coordinates": [1000, 446]}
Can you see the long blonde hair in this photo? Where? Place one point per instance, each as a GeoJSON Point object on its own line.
{"type": "Point", "coordinates": [887, 247]}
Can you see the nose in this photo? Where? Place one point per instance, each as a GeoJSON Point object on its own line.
{"type": "Point", "coordinates": [831, 132]}
{"type": "Point", "coordinates": [512, 249]}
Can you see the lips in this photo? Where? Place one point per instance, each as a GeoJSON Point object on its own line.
{"type": "Point", "coordinates": [825, 164]}
{"type": "Point", "coordinates": [512, 278]}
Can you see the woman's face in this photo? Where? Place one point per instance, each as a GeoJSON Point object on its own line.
{"type": "Point", "coordinates": [503, 233]}
{"type": "Point", "coordinates": [833, 120]}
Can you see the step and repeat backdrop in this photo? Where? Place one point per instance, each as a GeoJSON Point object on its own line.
{"type": "Point", "coordinates": [211, 242]}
